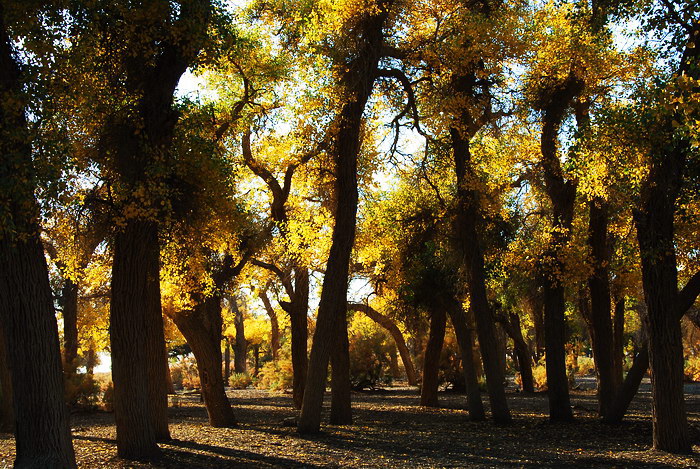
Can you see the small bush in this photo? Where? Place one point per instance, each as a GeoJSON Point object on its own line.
{"type": "Point", "coordinates": [108, 397]}
{"type": "Point", "coordinates": [185, 374]}
{"type": "Point", "coordinates": [539, 375]}
{"type": "Point", "coordinates": [240, 380]}
{"type": "Point", "coordinates": [82, 390]}
{"type": "Point", "coordinates": [585, 366]}
{"type": "Point", "coordinates": [276, 376]}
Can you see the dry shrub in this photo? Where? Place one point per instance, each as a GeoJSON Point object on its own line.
{"type": "Point", "coordinates": [275, 376]}
{"type": "Point", "coordinates": [240, 380]}
{"type": "Point", "coordinates": [184, 374]}
{"type": "Point", "coordinates": [691, 370]}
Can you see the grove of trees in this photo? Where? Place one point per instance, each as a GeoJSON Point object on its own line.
{"type": "Point", "coordinates": [358, 172]}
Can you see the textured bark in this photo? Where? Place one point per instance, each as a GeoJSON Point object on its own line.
{"type": "Point", "coordinates": [42, 431]}
{"type": "Point", "coordinates": [358, 80]}
{"type": "Point", "coordinates": [240, 346]}
{"type": "Point", "coordinates": [511, 324]}
{"type": "Point", "coordinates": [130, 305]}
{"type": "Point", "coordinates": [341, 403]}
{"type": "Point", "coordinates": [299, 324]}
{"type": "Point", "coordinates": [396, 334]}
{"type": "Point", "coordinates": [629, 387]}
{"type": "Point", "coordinates": [465, 339]}
{"type": "Point", "coordinates": [274, 325]}
{"type": "Point", "coordinates": [600, 323]}
{"type": "Point", "coordinates": [469, 244]}
{"type": "Point", "coordinates": [7, 413]}
{"type": "Point", "coordinates": [201, 327]}
{"type": "Point", "coordinates": [431, 359]}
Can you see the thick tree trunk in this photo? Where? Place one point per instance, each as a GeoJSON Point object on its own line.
{"type": "Point", "coordinates": [131, 303]}
{"type": "Point", "coordinates": [431, 359]}
{"type": "Point", "coordinates": [629, 387]}
{"type": "Point", "coordinates": [69, 303]}
{"type": "Point", "coordinates": [600, 323]}
{"type": "Point", "coordinates": [358, 79]}
{"type": "Point", "coordinates": [465, 341]}
{"type": "Point", "coordinates": [42, 431]}
{"type": "Point", "coordinates": [201, 327]}
{"type": "Point", "coordinates": [240, 346]}
{"type": "Point", "coordinates": [274, 325]}
{"type": "Point", "coordinates": [7, 413]}
{"type": "Point", "coordinates": [341, 403]}
{"type": "Point", "coordinates": [659, 278]}
{"type": "Point", "coordinates": [396, 334]}
{"type": "Point", "coordinates": [470, 247]}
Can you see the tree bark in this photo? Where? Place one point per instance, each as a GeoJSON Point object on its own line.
{"type": "Point", "coordinates": [131, 303]}
{"type": "Point", "coordinates": [511, 324]}
{"type": "Point", "coordinates": [227, 361]}
{"type": "Point", "coordinates": [69, 303]}
{"type": "Point", "coordinates": [42, 431]}
{"type": "Point", "coordinates": [240, 346]}
{"type": "Point", "coordinates": [274, 325]}
{"type": "Point", "coordinates": [7, 413]}
{"type": "Point", "coordinates": [600, 323]}
{"type": "Point", "coordinates": [465, 339]}
{"type": "Point", "coordinates": [396, 334]}
{"type": "Point", "coordinates": [358, 80]}
{"type": "Point", "coordinates": [619, 342]}
{"type": "Point", "coordinates": [431, 359]}
{"type": "Point", "coordinates": [201, 327]}
{"type": "Point", "coordinates": [299, 324]}
{"type": "Point", "coordinates": [341, 403]}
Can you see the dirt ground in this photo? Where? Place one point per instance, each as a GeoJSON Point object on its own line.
{"type": "Point", "coordinates": [391, 431]}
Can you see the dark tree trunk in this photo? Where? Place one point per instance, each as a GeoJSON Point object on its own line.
{"type": "Point", "coordinates": [240, 346]}
{"type": "Point", "coordinates": [256, 359]}
{"type": "Point", "coordinates": [511, 324]}
{"type": "Point", "coordinates": [431, 359]}
{"type": "Point", "coordinates": [341, 404]}
{"type": "Point", "coordinates": [465, 339]}
{"type": "Point", "coordinates": [299, 324]}
{"type": "Point", "coordinates": [600, 323]}
{"type": "Point", "coordinates": [201, 327]}
{"type": "Point", "coordinates": [619, 342]}
{"type": "Point", "coordinates": [69, 303]}
{"type": "Point", "coordinates": [42, 431]}
{"type": "Point", "coordinates": [394, 363]}
{"type": "Point", "coordinates": [227, 361]}
{"type": "Point", "coordinates": [562, 195]}
{"type": "Point", "coordinates": [274, 325]}
{"type": "Point", "coordinates": [655, 235]}
{"type": "Point", "coordinates": [396, 334]}
{"type": "Point", "coordinates": [7, 413]}
{"type": "Point", "coordinates": [629, 387]}
{"type": "Point", "coordinates": [469, 243]}
{"type": "Point", "coordinates": [358, 79]}
{"type": "Point", "coordinates": [131, 304]}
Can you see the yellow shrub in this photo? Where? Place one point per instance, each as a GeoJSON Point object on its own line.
{"type": "Point", "coordinates": [239, 380]}
{"type": "Point", "coordinates": [692, 369]}
{"type": "Point", "coordinates": [539, 375]}
{"type": "Point", "coordinates": [275, 376]}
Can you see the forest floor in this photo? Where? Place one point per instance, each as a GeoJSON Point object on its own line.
{"type": "Point", "coordinates": [391, 431]}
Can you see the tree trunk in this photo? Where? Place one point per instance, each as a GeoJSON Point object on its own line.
{"type": "Point", "coordinates": [7, 413]}
{"type": "Point", "coordinates": [341, 404]}
{"type": "Point", "coordinates": [227, 361]}
{"type": "Point", "coordinates": [358, 80]}
{"type": "Point", "coordinates": [511, 324]}
{"type": "Point", "coordinates": [240, 346]}
{"type": "Point", "coordinates": [629, 387]}
{"type": "Point", "coordinates": [394, 370]}
{"type": "Point", "coordinates": [131, 303]}
{"type": "Point", "coordinates": [659, 277]}
{"type": "Point", "coordinates": [465, 340]}
{"type": "Point", "coordinates": [256, 359]}
{"type": "Point", "coordinates": [619, 342]}
{"type": "Point", "coordinates": [274, 325]}
{"type": "Point", "coordinates": [431, 359]}
{"type": "Point", "coordinates": [396, 334]}
{"type": "Point", "coordinates": [600, 324]}
{"type": "Point", "coordinates": [90, 361]}
{"type": "Point", "coordinates": [201, 327]}
{"type": "Point", "coordinates": [469, 243]}
{"type": "Point", "coordinates": [42, 431]}
{"type": "Point", "coordinates": [299, 324]}
{"type": "Point", "coordinates": [69, 303]}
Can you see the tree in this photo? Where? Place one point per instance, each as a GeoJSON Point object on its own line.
{"type": "Point", "coordinates": [42, 431]}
